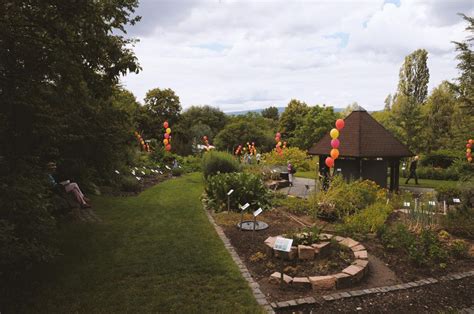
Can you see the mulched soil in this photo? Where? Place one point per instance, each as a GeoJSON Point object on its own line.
{"type": "Point", "coordinates": [247, 244]}
{"type": "Point", "coordinates": [443, 297]}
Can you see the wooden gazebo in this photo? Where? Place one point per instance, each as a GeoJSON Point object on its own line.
{"type": "Point", "coordinates": [367, 151]}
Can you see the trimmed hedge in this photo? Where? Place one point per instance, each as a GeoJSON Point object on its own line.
{"type": "Point", "coordinates": [215, 162]}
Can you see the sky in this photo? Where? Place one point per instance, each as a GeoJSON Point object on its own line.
{"type": "Point", "coordinates": [250, 54]}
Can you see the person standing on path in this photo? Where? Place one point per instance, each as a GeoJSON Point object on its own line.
{"type": "Point", "coordinates": [412, 174]}
{"type": "Point", "coordinates": [291, 170]}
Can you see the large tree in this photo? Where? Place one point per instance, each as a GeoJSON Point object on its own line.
{"type": "Point", "coordinates": [60, 62]}
{"type": "Point", "coordinates": [317, 122]}
{"type": "Point", "coordinates": [414, 76]}
{"type": "Point", "coordinates": [271, 113]}
{"type": "Point", "coordinates": [292, 117]}
{"type": "Point", "coordinates": [160, 105]}
{"type": "Point", "coordinates": [465, 82]}
{"type": "Point", "coordinates": [411, 94]}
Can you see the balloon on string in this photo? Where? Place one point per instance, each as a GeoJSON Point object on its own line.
{"type": "Point", "coordinates": [165, 141]}
{"type": "Point", "coordinates": [329, 162]}
{"type": "Point", "coordinates": [166, 135]}
{"type": "Point", "coordinates": [334, 133]}
{"type": "Point", "coordinates": [205, 137]}
{"type": "Point", "coordinates": [470, 141]}
{"type": "Point", "coordinates": [168, 147]}
{"type": "Point", "coordinates": [468, 145]}
{"type": "Point", "coordinates": [340, 124]}
{"type": "Point", "coordinates": [278, 134]}
{"type": "Point", "coordinates": [168, 130]}
{"type": "Point", "coordinates": [334, 153]}
{"type": "Point", "coordinates": [335, 143]}
{"type": "Point", "coordinates": [468, 150]}
{"type": "Point", "coordinates": [469, 159]}
{"type": "Point", "coordinates": [165, 124]}
{"type": "Point", "coordinates": [468, 155]}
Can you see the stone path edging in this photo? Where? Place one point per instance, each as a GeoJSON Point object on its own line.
{"type": "Point", "coordinates": [384, 289]}
{"type": "Point", "coordinates": [258, 294]}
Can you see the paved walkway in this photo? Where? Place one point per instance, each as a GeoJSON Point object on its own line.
{"type": "Point", "coordinates": [302, 187]}
{"type": "Point", "coordinates": [417, 190]}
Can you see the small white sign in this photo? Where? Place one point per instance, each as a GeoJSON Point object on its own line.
{"type": "Point", "coordinates": [143, 172]}
{"type": "Point", "coordinates": [230, 192]}
{"type": "Point", "coordinates": [283, 244]}
{"type": "Point", "coordinates": [245, 206]}
{"type": "Point", "coordinates": [167, 167]}
{"type": "Point", "coordinates": [338, 169]}
{"type": "Point", "coordinates": [117, 172]}
{"type": "Point", "coordinates": [432, 203]}
{"type": "Point", "coordinates": [133, 172]}
{"type": "Point", "coordinates": [138, 178]}
{"type": "Point", "coordinates": [456, 200]}
{"type": "Point", "coordinates": [161, 172]}
{"type": "Point", "coordinates": [406, 204]}
{"type": "Point", "coordinates": [136, 168]}
{"type": "Point", "coordinates": [257, 212]}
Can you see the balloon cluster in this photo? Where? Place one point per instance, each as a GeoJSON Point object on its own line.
{"type": "Point", "coordinates": [279, 147]}
{"type": "Point", "coordinates": [167, 136]}
{"type": "Point", "coordinates": [468, 150]}
{"type": "Point", "coordinates": [145, 146]}
{"type": "Point", "coordinates": [334, 143]}
{"type": "Point", "coordinates": [238, 150]}
{"type": "Point", "coordinates": [252, 149]}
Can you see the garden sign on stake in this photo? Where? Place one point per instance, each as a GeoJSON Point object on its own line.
{"type": "Point", "coordinates": [242, 208]}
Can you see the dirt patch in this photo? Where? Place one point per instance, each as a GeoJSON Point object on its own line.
{"type": "Point", "coordinates": [441, 297]}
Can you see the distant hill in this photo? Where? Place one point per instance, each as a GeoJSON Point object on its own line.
{"type": "Point", "coordinates": [280, 110]}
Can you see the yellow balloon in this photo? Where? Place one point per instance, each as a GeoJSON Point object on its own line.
{"type": "Point", "coordinates": [334, 153]}
{"type": "Point", "coordinates": [334, 133]}
{"type": "Point", "coordinates": [168, 130]}
{"type": "Point", "coordinates": [468, 150]}
{"type": "Point", "coordinates": [165, 141]}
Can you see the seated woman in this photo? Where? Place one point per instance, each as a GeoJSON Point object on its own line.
{"type": "Point", "coordinates": [68, 186]}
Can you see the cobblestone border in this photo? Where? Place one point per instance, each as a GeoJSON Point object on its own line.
{"type": "Point", "coordinates": [258, 294]}
{"type": "Point", "coordinates": [384, 289]}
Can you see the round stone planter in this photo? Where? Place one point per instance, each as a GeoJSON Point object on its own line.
{"type": "Point", "coordinates": [347, 277]}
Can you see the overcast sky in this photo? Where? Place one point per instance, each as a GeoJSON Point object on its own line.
{"type": "Point", "coordinates": [240, 55]}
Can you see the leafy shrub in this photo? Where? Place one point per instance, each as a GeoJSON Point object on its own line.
{"type": "Point", "coordinates": [293, 204]}
{"type": "Point", "coordinates": [396, 237]}
{"type": "Point", "coordinates": [342, 199]}
{"type": "Point", "coordinates": [460, 223]}
{"type": "Point", "coordinates": [248, 188]}
{"type": "Point", "coordinates": [440, 158]}
{"type": "Point", "coordinates": [437, 173]}
{"type": "Point", "coordinates": [458, 248]}
{"type": "Point", "coordinates": [130, 184]}
{"type": "Point", "coordinates": [176, 172]}
{"type": "Point", "coordinates": [298, 158]}
{"type": "Point", "coordinates": [447, 193]}
{"type": "Point", "coordinates": [307, 236]}
{"type": "Point", "coordinates": [464, 169]}
{"type": "Point", "coordinates": [427, 250]}
{"type": "Point", "coordinates": [191, 163]}
{"type": "Point", "coordinates": [215, 162]}
{"type": "Point", "coordinates": [368, 220]}
{"type": "Point", "coordinates": [27, 228]}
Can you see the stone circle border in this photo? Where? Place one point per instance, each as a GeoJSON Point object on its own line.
{"type": "Point", "coordinates": [346, 278]}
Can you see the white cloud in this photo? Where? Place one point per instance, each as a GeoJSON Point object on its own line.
{"type": "Point", "coordinates": [252, 54]}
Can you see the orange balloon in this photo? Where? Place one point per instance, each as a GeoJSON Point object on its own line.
{"type": "Point", "coordinates": [334, 153]}
{"type": "Point", "coordinates": [165, 141]}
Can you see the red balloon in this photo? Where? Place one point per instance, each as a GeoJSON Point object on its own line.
{"type": "Point", "coordinates": [205, 137]}
{"type": "Point", "coordinates": [166, 135]}
{"type": "Point", "coordinates": [335, 143]}
{"type": "Point", "coordinates": [340, 124]}
{"type": "Point", "coordinates": [468, 155]}
{"type": "Point", "coordinates": [470, 141]}
{"type": "Point", "coordinates": [329, 162]}
{"type": "Point", "coordinates": [168, 147]}
{"type": "Point", "coordinates": [278, 134]}
{"type": "Point", "coordinates": [468, 145]}
{"type": "Point", "coordinates": [165, 124]}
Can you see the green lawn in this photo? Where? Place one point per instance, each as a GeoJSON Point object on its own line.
{"type": "Point", "coordinates": [426, 183]}
{"type": "Point", "coordinates": [306, 174]}
{"type": "Point", "coordinates": [156, 252]}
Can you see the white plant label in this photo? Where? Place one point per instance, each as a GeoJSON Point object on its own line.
{"type": "Point", "coordinates": [117, 172]}
{"type": "Point", "coordinates": [406, 204]}
{"type": "Point", "coordinates": [167, 167]}
{"type": "Point", "coordinates": [456, 200]}
{"type": "Point", "coordinates": [143, 172]}
{"type": "Point", "coordinates": [283, 244]}
{"type": "Point", "coordinates": [230, 192]}
{"type": "Point", "coordinates": [245, 206]}
{"type": "Point", "coordinates": [257, 212]}
{"type": "Point", "coordinates": [432, 203]}
{"type": "Point", "coordinates": [138, 178]}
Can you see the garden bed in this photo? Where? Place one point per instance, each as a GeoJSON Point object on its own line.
{"type": "Point", "coordinates": [254, 253]}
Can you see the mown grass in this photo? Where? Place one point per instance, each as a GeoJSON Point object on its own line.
{"type": "Point", "coordinates": [427, 183]}
{"type": "Point", "coordinates": [156, 252]}
{"type": "Point", "coordinates": [306, 174]}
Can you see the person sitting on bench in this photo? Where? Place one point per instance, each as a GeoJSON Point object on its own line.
{"type": "Point", "coordinates": [68, 186]}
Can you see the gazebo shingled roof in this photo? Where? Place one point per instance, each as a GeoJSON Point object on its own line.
{"type": "Point", "coordinates": [362, 136]}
